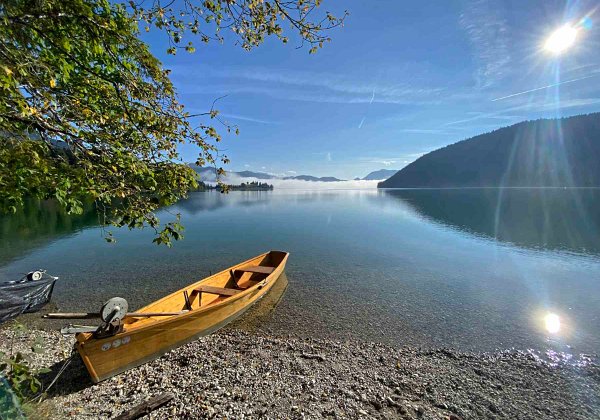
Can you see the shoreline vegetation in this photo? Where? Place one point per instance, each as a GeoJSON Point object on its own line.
{"type": "Point", "coordinates": [253, 374]}
{"type": "Point", "coordinates": [244, 186]}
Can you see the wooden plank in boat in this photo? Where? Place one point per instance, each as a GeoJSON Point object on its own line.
{"type": "Point", "coordinates": [217, 290]}
{"type": "Point", "coordinates": [256, 269]}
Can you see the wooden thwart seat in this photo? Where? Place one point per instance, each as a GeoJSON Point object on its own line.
{"type": "Point", "coordinates": [223, 291]}
{"type": "Point", "coordinates": [255, 269]}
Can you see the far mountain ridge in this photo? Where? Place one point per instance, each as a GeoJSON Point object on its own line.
{"type": "Point", "coordinates": [210, 173]}
{"type": "Point", "coordinates": [258, 175]}
{"type": "Point", "coordinates": [541, 153]}
{"type": "Point", "coordinates": [381, 174]}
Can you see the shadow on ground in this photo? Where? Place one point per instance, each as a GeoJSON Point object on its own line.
{"type": "Point", "coordinates": [73, 379]}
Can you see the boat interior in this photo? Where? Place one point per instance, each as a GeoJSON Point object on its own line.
{"type": "Point", "coordinates": [211, 290]}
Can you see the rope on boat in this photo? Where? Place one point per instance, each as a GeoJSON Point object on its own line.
{"type": "Point", "coordinates": [60, 372]}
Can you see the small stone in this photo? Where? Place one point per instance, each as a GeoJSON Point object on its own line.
{"type": "Point", "coordinates": [376, 404]}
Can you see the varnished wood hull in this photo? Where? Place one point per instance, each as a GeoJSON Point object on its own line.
{"type": "Point", "coordinates": [147, 339]}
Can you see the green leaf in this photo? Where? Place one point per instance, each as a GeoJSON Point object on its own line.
{"type": "Point", "coordinates": [107, 119]}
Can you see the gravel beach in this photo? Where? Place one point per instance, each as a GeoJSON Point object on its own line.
{"type": "Point", "coordinates": [241, 374]}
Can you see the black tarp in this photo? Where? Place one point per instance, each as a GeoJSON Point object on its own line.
{"type": "Point", "coordinates": [24, 296]}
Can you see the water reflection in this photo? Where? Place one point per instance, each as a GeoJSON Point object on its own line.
{"type": "Point", "coordinates": [552, 323]}
{"type": "Point", "coordinates": [37, 224]}
{"type": "Point", "coordinates": [402, 267]}
{"type": "Point", "coordinates": [542, 218]}
{"type": "Point", "coordinates": [258, 316]}
{"type": "Point", "coordinates": [199, 202]}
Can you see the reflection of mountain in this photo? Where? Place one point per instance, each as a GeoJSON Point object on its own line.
{"type": "Point", "coordinates": [37, 224]}
{"type": "Point", "coordinates": [213, 200]}
{"type": "Point", "coordinates": [564, 219]}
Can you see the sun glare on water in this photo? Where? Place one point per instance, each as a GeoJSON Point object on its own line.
{"type": "Point", "coordinates": [561, 39]}
{"type": "Point", "coordinates": [552, 322]}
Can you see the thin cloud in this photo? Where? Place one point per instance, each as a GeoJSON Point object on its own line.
{"type": "Point", "coordinates": [365, 117]}
{"type": "Point", "coordinates": [539, 106]}
{"type": "Point", "coordinates": [246, 118]}
{"type": "Point", "coordinates": [329, 157]}
{"type": "Point", "coordinates": [423, 131]}
{"type": "Point", "coordinates": [482, 116]}
{"type": "Point", "coordinates": [544, 87]}
{"type": "Point", "coordinates": [562, 104]}
{"type": "Point", "coordinates": [488, 34]}
{"type": "Point", "coordinates": [306, 86]}
{"type": "Point", "coordinates": [339, 83]}
{"type": "Point", "coordinates": [317, 94]}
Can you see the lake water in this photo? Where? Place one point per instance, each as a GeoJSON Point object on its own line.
{"type": "Point", "coordinates": [472, 269]}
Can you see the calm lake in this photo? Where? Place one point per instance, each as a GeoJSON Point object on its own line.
{"type": "Point", "coordinates": [472, 269]}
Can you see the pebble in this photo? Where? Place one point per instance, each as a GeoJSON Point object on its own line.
{"type": "Point", "coordinates": [236, 374]}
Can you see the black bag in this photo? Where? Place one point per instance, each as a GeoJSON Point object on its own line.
{"type": "Point", "coordinates": [29, 294]}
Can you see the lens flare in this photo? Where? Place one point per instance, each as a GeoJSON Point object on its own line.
{"type": "Point", "coordinates": [561, 39]}
{"type": "Point", "coordinates": [552, 322]}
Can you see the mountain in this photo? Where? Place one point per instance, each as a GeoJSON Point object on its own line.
{"type": "Point", "coordinates": [208, 174]}
{"type": "Point", "coordinates": [314, 178]}
{"type": "Point", "coordinates": [257, 175]}
{"type": "Point", "coordinates": [380, 174]}
{"type": "Point", "coordinates": [540, 153]}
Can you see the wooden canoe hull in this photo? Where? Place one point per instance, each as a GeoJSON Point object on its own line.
{"type": "Point", "coordinates": [109, 356]}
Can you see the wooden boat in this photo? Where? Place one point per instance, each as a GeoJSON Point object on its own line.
{"type": "Point", "coordinates": [196, 310]}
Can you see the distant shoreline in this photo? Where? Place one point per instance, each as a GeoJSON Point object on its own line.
{"type": "Point", "coordinates": [244, 186]}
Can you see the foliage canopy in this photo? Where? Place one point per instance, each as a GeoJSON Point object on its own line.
{"type": "Point", "coordinates": [87, 111]}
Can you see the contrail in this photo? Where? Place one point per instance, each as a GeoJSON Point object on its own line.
{"type": "Point", "coordinates": [544, 87]}
{"type": "Point", "coordinates": [365, 117]}
{"type": "Point", "coordinates": [361, 122]}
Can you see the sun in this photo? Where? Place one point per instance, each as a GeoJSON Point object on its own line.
{"type": "Point", "coordinates": [561, 39]}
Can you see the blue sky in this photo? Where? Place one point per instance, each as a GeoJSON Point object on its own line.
{"type": "Point", "coordinates": [400, 79]}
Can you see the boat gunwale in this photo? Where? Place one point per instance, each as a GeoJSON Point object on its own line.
{"type": "Point", "coordinates": [87, 337]}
